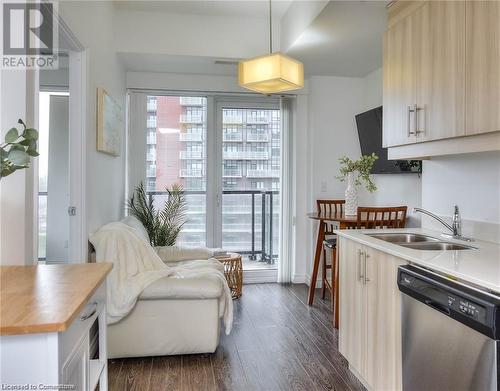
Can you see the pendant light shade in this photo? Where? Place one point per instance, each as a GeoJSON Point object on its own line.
{"type": "Point", "coordinates": [271, 73]}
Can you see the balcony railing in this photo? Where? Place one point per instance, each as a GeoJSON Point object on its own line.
{"type": "Point", "coordinates": [190, 137]}
{"type": "Point", "coordinates": [151, 123]}
{"type": "Point", "coordinates": [257, 137]}
{"type": "Point", "coordinates": [191, 101]}
{"type": "Point", "coordinates": [263, 173]}
{"type": "Point", "coordinates": [151, 105]}
{"type": "Point", "coordinates": [190, 155]}
{"type": "Point", "coordinates": [190, 173]}
{"type": "Point", "coordinates": [246, 155]}
{"type": "Point", "coordinates": [232, 137]}
{"type": "Point", "coordinates": [191, 119]}
{"type": "Point", "coordinates": [255, 230]}
{"type": "Point", "coordinates": [232, 173]}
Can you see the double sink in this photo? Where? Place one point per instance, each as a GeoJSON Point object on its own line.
{"type": "Point", "coordinates": [419, 242]}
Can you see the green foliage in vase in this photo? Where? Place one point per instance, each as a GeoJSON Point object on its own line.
{"type": "Point", "coordinates": [17, 149]}
{"type": "Point", "coordinates": [363, 167]}
{"type": "Point", "coordinates": [163, 226]}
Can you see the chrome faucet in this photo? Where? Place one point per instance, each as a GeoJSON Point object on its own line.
{"type": "Point", "coordinates": [455, 228]}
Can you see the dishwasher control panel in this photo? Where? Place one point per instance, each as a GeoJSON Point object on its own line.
{"type": "Point", "coordinates": [475, 309]}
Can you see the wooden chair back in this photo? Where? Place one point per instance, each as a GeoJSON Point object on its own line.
{"type": "Point", "coordinates": [381, 217]}
{"type": "Point", "coordinates": [330, 207]}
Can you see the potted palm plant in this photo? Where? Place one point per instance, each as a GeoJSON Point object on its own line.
{"type": "Point", "coordinates": [356, 172]}
{"type": "Point", "coordinates": [163, 226]}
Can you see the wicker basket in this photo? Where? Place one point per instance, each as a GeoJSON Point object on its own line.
{"type": "Point", "coordinates": [233, 269]}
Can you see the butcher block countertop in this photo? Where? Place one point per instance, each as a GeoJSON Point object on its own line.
{"type": "Point", "coordinates": [46, 298]}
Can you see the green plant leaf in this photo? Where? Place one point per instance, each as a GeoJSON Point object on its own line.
{"type": "Point", "coordinates": [17, 157]}
{"type": "Point", "coordinates": [24, 142]}
{"type": "Point", "coordinates": [12, 135]}
{"type": "Point", "coordinates": [32, 152]}
{"type": "Point", "coordinates": [31, 134]}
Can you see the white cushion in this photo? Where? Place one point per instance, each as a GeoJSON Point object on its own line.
{"type": "Point", "coordinates": [133, 222]}
{"type": "Point", "coordinates": [182, 253]}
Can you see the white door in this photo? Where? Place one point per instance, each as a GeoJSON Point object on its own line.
{"type": "Point", "coordinates": [57, 219]}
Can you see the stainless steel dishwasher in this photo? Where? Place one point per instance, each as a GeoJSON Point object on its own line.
{"type": "Point", "coordinates": [450, 333]}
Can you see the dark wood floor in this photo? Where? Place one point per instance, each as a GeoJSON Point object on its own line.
{"type": "Point", "coordinates": [277, 343]}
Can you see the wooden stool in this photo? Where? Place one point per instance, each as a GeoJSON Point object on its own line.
{"type": "Point", "coordinates": [233, 270]}
{"type": "Point", "coordinates": [330, 207]}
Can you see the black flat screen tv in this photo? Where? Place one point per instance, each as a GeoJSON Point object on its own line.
{"type": "Point", "coordinates": [369, 126]}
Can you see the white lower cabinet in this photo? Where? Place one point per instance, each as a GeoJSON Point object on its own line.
{"type": "Point", "coordinates": [76, 370]}
{"type": "Point", "coordinates": [370, 314]}
{"type": "Point", "coordinates": [60, 359]}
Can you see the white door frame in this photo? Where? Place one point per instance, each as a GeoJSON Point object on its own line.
{"type": "Point", "coordinates": [78, 65]}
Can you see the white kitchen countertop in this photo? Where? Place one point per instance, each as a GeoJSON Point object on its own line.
{"type": "Point", "coordinates": [480, 266]}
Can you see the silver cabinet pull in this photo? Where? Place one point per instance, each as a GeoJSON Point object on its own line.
{"type": "Point", "coordinates": [412, 110]}
{"type": "Point", "coordinates": [365, 272]}
{"type": "Point", "coordinates": [417, 130]}
{"type": "Point", "coordinates": [360, 275]}
{"type": "Point", "coordinates": [89, 314]}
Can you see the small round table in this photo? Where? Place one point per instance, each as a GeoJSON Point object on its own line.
{"type": "Point", "coordinates": [233, 270]}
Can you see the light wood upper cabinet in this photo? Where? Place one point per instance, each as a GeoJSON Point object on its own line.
{"type": "Point", "coordinates": [441, 75]}
{"type": "Point", "coordinates": [440, 70]}
{"type": "Point", "coordinates": [483, 66]}
{"type": "Point", "coordinates": [370, 314]}
{"type": "Point", "coordinates": [399, 84]}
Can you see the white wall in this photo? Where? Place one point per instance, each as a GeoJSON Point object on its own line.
{"type": "Point", "coordinates": [93, 25]}
{"type": "Point", "coordinates": [332, 105]}
{"type": "Point", "coordinates": [16, 190]}
{"type": "Point", "coordinates": [471, 181]}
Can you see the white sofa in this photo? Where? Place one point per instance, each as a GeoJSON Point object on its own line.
{"type": "Point", "coordinates": [172, 315]}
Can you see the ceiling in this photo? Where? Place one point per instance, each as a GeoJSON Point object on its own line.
{"type": "Point", "coordinates": [247, 8]}
{"type": "Point", "coordinates": [344, 40]}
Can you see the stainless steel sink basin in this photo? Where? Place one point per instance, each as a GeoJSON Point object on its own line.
{"type": "Point", "coordinates": [419, 242]}
{"type": "Point", "coordinates": [403, 237]}
{"type": "Point", "coordinates": [436, 246]}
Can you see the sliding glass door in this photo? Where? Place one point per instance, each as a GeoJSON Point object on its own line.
{"type": "Point", "coordinates": [226, 155]}
{"type": "Point", "coordinates": [250, 142]}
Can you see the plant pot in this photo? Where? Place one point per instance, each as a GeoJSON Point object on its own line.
{"type": "Point", "coordinates": [351, 196]}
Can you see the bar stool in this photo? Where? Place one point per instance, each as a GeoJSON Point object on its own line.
{"type": "Point", "coordinates": [329, 207]}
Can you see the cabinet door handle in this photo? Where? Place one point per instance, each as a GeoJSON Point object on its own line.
{"type": "Point", "coordinates": [417, 130]}
{"type": "Point", "coordinates": [360, 275]}
{"type": "Point", "coordinates": [408, 120]}
{"type": "Point", "coordinates": [89, 314]}
{"type": "Point", "coordinates": [365, 278]}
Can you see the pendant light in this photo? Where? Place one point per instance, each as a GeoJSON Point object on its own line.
{"type": "Point", "coordinates": [271, 73]}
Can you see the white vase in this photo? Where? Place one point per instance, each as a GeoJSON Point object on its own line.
{"type": "Point", "coordinates": [351, 196]}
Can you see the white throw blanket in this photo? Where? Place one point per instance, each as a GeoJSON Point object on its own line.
{"type": "Point", "coordinates": [136, 265]}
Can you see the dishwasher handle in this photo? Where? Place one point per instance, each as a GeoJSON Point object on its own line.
{"type": "Point", "coordinates": [438, 307]}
